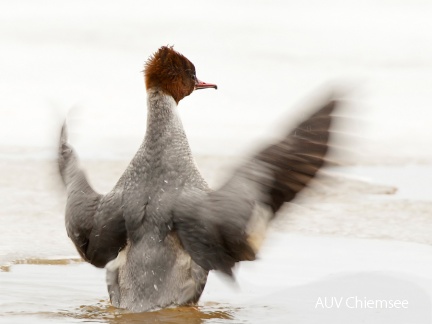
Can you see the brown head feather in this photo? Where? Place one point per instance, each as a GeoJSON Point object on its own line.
{"type": "Point", "coordinates": [171, 72]}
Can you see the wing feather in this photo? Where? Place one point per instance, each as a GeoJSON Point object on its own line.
{"type": "Point", "coordinates": [216, 228]}
{"type": "Point", "coordinates": [94, 222]}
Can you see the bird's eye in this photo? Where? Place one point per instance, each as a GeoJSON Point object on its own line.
{"type": "Point", "coordinates": [191, 74]}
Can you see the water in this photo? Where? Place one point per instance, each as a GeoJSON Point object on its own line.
{"type": "Point", "coordinates": [336, 240]}
{"type": "Point", "coordinates": [43, 295]}
{"type": "Point", "coordinates": [276, 288]}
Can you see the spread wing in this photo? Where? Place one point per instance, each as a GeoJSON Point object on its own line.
{"type": "Point", "coordinates": [94, 222]}
{"type": "Point", "coordinates": [217, 228]}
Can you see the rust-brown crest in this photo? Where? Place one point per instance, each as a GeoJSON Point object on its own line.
{"type": "Point", "coordinates": [171, 72]}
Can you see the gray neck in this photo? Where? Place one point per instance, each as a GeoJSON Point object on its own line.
{"type": "Point", "coordinates": [165, 150]}
{"type": "Point", "coordinates": [165, 133]}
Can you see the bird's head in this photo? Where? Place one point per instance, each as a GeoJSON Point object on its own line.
{"type": "Point", "coordinates": [172, 73]}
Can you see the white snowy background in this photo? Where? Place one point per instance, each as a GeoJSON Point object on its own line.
{"type": "Point", "coordinates": [265, 56]}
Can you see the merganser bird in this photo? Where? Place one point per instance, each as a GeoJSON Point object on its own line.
{"type": "Point", "coordinates": [162, 229]}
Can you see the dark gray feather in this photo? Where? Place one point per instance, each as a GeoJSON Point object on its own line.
{"type": "Point", "coordinates": [94, 222]}
{"type": "Point", "coordinates": [215, 227]}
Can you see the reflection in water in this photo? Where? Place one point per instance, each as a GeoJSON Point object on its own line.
{"type": "Point", "coordinates": [104, 313]}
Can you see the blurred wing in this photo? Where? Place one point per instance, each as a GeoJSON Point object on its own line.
{"type": "Point", "coordinates": [94, 222]}
{"type": "Point", "coordinates": [216, 228]}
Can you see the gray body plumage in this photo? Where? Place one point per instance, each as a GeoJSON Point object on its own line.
{"type": "Point", "coordinates": [156, 271]}
{"type": "Point", "coordinates": [161, 229]}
